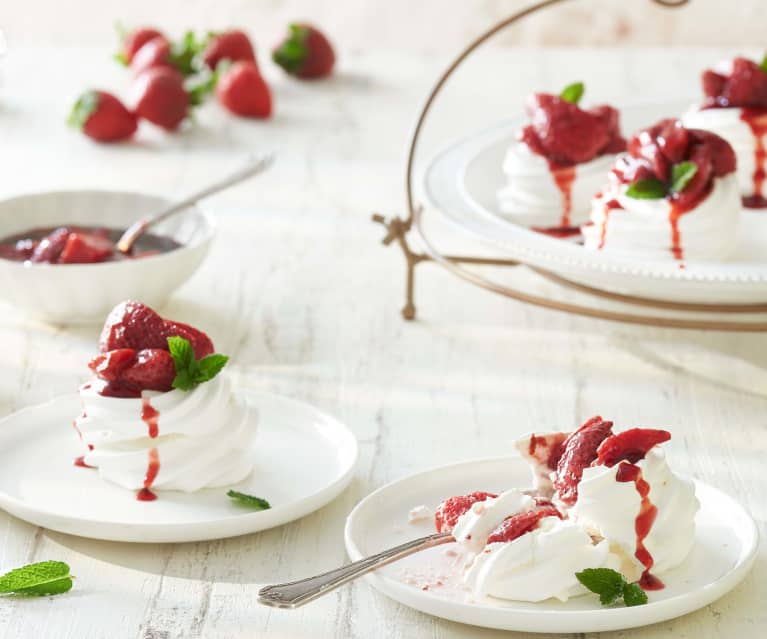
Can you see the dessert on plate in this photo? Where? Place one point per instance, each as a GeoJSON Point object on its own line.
{"type": "Point", "coordinates": [559, 161]}
{"type": "Point", "coordinates": [158, 415]}
{"type": "Point", "coordinates": [735, 107]}
{"type": "Point", "coordinates": [674, 195]}
{"type": "Point", "coordinates": [600, 500]}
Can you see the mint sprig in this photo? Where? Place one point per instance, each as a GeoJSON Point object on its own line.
{"type": "Point", "coordinates": [191, 372]}
{"type": "Point", "coordinates": [649, 189]}
{"type": "Point", "coordinates": [681, 174]}
{"type": "Point", "coordinates": [610, 585]}
{"type": "Point", "coordinates": [573, 92]}
{"type": "Point", "coordinates": [255, 503]}
{"type": "Point", "coordinates": [37, 580]}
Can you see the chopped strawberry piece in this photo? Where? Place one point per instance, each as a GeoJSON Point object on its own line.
{"type": "Point", "coordinates": [153, 369]}
{"type": "Point", "coordinates": [201, 343]}
{"type": "Point", "coordinates": [630, 445]}
{"type": "Point", "coordinates": [110, 365]}
{"type": "Point", "coordinates": [86, 248]}
{"type": "Point", "coordinates": [50, 247]}
{"type": "Point", "coordinates": [517, 525]}
{"type": "Point", "coordinates": [132, 325]}
{"type": "Point", "coordinates": [580, 449]}
{"type": "Point", "coordinates": [746, 86]}
{"type": "Point", "coordinates": [566, 135]}
{"type": "Point", "coordinates": [451, 509]}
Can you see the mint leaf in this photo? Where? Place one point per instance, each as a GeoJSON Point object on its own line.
{"type": "Point", "coordinates": [607, 583]}
{"type": "Point", "coordinates": [763, 65]}
{"type": "Point", "coordinates": [650, 189]}
{"type": "Point", "coordinates": [35, 580]}
{"type": "Point", "coordinates": [633, 595]}
{"type": "Point", "coordinates": [191, 372]}
{"type": "Point", "coordinates": [573, 92]}
{"type": "Point", "coordinates": [256, 503]}
{"type": "Point", "coordinates": [681, 174]}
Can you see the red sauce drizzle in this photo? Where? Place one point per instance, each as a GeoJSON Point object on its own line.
{"type": "Point", "coordinates": [151, 416]}
{"type": "Point", "coordinates": [559, 232]}
{"type": "Point", "coordinates": [609, 206]}
{"type": "Point", "coordinates": [676, 212]}
{"type": "Point", "coordinates": [80, 461]}
{"type": "Point", "coordinates": [564, 176]}
{"type": "Point", "coordinates": [643, 523]}
{"type": "Point", "coordinates": [756, 119]}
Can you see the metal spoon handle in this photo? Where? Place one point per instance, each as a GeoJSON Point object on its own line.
{"type": "Point", "coordinates": [258, 165]}
{"type": "Point", "coordinates": [297, 593]}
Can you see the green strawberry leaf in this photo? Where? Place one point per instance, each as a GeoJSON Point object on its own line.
{"type": "Point", "coordinates": [573, 92]}
{"type": "Point", "coordinates": [763, 65]}
{"type": "Point", "coordinates": [185, 53]}
{"type": "Point", "coordinates": [633, 595]}
{"type": "Point", "coordinates": [243, 499]}
{"type": "Point", "coordinates": [292, 52]}
{"type": "Point", "coordinates": [605, 582]}
{"type": "Point", "coordinates": [86, 104]}
{"type": "Point", "coordinates": [650, 189]}
{"type": "Point", "coordinates": [681, 174]}
{"type": "Point", "coordinates": [191, 372]}
{"type": "Point", "coordinates": [36, 580]}
{"type": "Point", "coordinates": [198, 91]}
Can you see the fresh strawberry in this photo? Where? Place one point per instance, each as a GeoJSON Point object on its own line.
{"type": "Point", "coordinates": [630, 445]}
{"type": "Point", "coordinates": [159, 96]}
{"type": "Point", "coordinates": [580, 449]}
{"type": "Point", "coordinates": [153, 369]}
{"type": "Point", "coordinates": [517, 525]}
{"type": "Point", "coordinates": [243, 91]}
{"type": "Point", "coordinates": [451, 509]}
{"type": "Point", "coordinates": [134, 40]}
{"type": "Point", "coordinates": [201, 343]}
{"type": "Point", "coordinates": [86, 248]}
{"type": "Point", "coordinates": [110, 365]}
{"type": "Point", "coordinates": [154, 53]}
{"type": "Point", "coordinates": [50, 247]}
{"type": "Point", "coordinates": [231, 45]}
{"type": "Point", "coordinates": [102, 117]}
{"type": "Point", "coordinates": [132, 325]}
{"type": "Point", "coordinates": [305, 52]}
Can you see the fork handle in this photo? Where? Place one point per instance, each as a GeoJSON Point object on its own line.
{"type": "Point", "coordinates": [297, 593]}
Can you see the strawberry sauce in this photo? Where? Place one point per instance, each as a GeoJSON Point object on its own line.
{"type": "Point", "coordinates": [756, 119]}
{"type": "Point", "coordinates": [644, 520]}
{"type": "Point", "coordinates": [609, 206]}
{"type": "Point", "coordinates": [80, 461]}
{"type": "Point", "coordinates": [564, 176]}
{"type": "Point", "coordinates": [151, 417]}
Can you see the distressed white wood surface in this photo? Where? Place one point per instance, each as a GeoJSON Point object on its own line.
{"type": "Point", "coordinates": [299, 291]}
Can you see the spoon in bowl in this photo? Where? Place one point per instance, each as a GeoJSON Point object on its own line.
{"type": "Point", "coordinates": [137, 229]}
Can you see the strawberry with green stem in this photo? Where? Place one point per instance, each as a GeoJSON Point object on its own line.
{"type": "Point", "coordinates": [305, 52]}
{"type": "Point", "coordinates": [102, 117]}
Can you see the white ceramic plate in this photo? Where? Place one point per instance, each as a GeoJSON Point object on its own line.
{"type": "Point", "coordinates": [85, 293]}
{"type": "Point", "coordinates": [303, 458]}
{"type": "Point", "coordinates": [462, 182]}
{"type": "Point", "coordinates": [726, 541]}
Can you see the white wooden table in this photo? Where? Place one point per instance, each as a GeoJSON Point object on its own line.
{"type": "Point", "coordinates": [298, 290]}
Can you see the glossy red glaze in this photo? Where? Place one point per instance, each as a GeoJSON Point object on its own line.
{"type": "Point", "coordinates": [80, 461]}
{"type": "Point", "coordinates": [564, 176]}
{"type": "Point", "coordinates": [756, 119]}
{"type": "Point", "coordinates": [151, 417]}
{"type": "Point", "coordinates": [609, 206]}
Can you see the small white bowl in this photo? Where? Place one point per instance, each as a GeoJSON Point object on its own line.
{"type": "Point", "coordinates": [85, 293]}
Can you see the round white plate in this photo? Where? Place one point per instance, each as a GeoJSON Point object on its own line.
{"type": "Point", "coordinates": [726, 541]}
{"type": "Point", "coordinates": [462, 182]}
{"type": "Point", "coordinates": [303, 459]}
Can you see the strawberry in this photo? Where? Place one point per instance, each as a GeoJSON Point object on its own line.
{"type": "Point", "coordinates": [546, 449]}
{"type": "Point", "coordinates": [747, 85]}
{"type": "Point", "coordinates": [451, 509]}
{"type": "Point", "coordinates": [110, 365]}
{"type": "Point", "coordinates": [153, 369]}
{"type": "Point", "coordinates": [580, 449]}
{"type": "Point", "coordinates": [154, 53]}
{"type": "Point", "coordinates": [132, 325]}
{"type": "Point", "coordinates": [517, 525]}
{"type": "Point", "coordinates": [160, 97]}
{"type": "Point", "coordinates": [305, 52]}
{"type": "Point", "coordinates": [86, 248]}
{"type": "Point", "coordinates": [231, 45]}
{"type": "Point", "coordinates": [630, 445]}
{"type": "Point", "coordinates": [201, 343]}
{"type": "Point", "coordinates": [50, 247]}
{"type": "Point", "coordinates": [243, 91]}
{"type": "Point", "coordinates": [134, 40]}
{"type": "Point", "coordinates": [102, 117]}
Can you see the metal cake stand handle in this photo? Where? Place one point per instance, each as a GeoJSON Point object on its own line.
{"type": "Point", "coordinates": [397, 230]}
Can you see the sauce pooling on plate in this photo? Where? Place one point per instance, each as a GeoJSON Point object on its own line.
{"type": "Point", "coordinates": [78, 245]}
